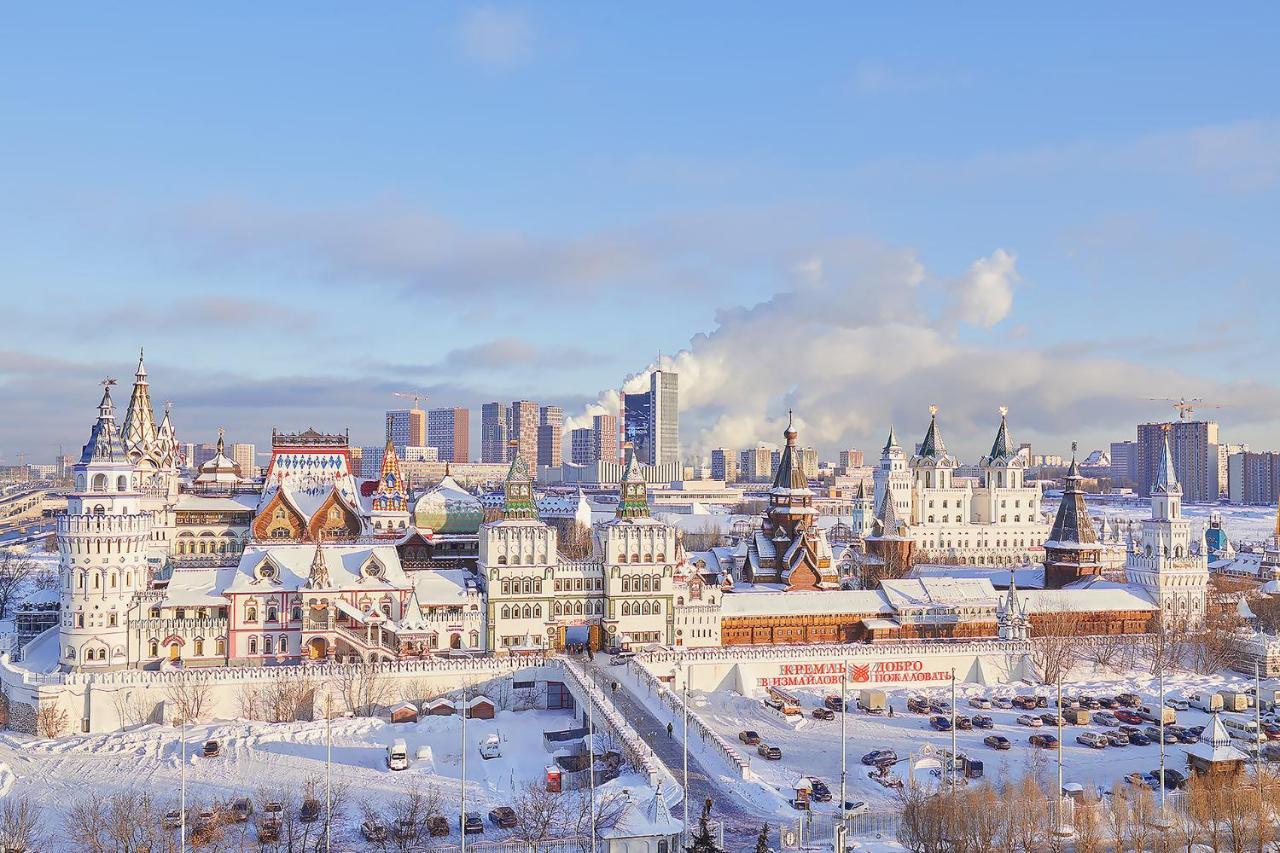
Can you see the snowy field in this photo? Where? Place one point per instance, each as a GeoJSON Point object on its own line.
{"type": "Point", "coordinates": [812, 747]}
{"type": "Point", "coordinates": [264, 761]}
{"type": "Point", "coordinates": [1242, 523]}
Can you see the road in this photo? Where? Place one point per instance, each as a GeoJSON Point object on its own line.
{"type": "Point", "coordinates": [741, 825]}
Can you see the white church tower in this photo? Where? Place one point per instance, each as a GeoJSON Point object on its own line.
{"type": "Point", "coordinates": [894, 476]}
{"type": "Point", "coordinates": [103, 541]}
{"type": "Point", "coordinates": [1163, 564]}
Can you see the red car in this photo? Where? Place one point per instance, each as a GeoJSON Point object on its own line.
{"type": "Point", "coordinates": [1127, 716]}
{"type": "Point", "coordinates": [1271, 730]}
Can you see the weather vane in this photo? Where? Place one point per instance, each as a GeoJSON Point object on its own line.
{"type": "Point", "coordinates": [108, 382]}
{"type": "Point", "coordinates": [933, 408]}
{"type": "Point", "coordinates": [1004, 410]}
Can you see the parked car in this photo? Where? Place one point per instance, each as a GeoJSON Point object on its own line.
{"type": "Point", "coordinates": [472, 824]}
{"type": "Point", "coordinates": [1130, 730]}
{"type": "Point", "coordinates": [241, 808]}
{"type": "Point", "coordinates": [1004, 703]}
{"type": "Point", "coordinates": [964, 724]}
{"type": "Point", "coordinates": [1093, 740]}
{"type": "Point", "coordinates": [1177, 704]}
{"type": "Point", "coordinates": [1173, 779]}
{"type": "Point", "coordinates": [880, 756]}
{"type": "Point", "coordinates": [211, 749]}
{"type": "Point", "coordinates": [1183, 734]}
{"type": "Point", "coordinates": [172, 819]}
{"type": "Point", "coordinates": [1271, 730]}
{"type": "Point", "coordinates": [1090, 703]}
{"type": "Point", "coordinates": [1117, 738]}
{"type": "Point", "coordinates": [1153, 732]}
{"type": "Point", "coordinates": [1107, 702]}
{"type": "Point", "coordinates": [1042, 701]}
{"type": "Point", "coordinates": [854, 808]}
{"type": "Point", "coordinates": [835, 703]}
{"type": "Point", "coordinates": [503, 817]}
{"type": "Point", "coordinates": [824, 714]}
{"type": "Point", "coordinates": [1105, 718]}
{"type": "Point", "coordinates": [749, 737]}
{"type": "Point", "coordinates": [1126, 716]}
{"type": "Point", "coordinates": [310, 811]}
{"type": "Point", "coordinates": [1029, 720]}
{"type": "Point", "coordinates": [1139, 779]}
{"type": "Point", "coordinates": [1043, 741]}
{"type": "Point", "coordinates": [273, 810]}
{"type": "Point", "coordinates": [772, 753]}
{"type": "Point", "coordinates": [941, 723]}
{"type": "Point", "coordinates": [1129, 700]}
{"type": "Point", "coordinates": [1026, 703]}
{"type": "Point", "coordinates": [1053, 719]}
{"type": "Point", "coordinates": [820, 792]}
{"type": "Point", "coordinates": [1139, 739]}
{"type": "Point", "coordinates": [981, 702]}
{"type": "Point", "coordinates": [982, 721]}
{"type": "Point", "coordinates": [437, 826]}
{"type": "Point", "coordinates": [373, 830]}
{"type": "Point", "coordinates": [918, 705]}
{"type": "Point", "coordinates": [1196, 730]}
{"type": "Point", "coordinates": [997, 742]}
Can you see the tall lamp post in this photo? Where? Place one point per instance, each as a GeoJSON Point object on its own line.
{"type": "Point", "coordinates": [462, 782]}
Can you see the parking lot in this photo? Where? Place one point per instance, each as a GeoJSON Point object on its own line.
{"type": "Point", "coordinates": [811, 747]}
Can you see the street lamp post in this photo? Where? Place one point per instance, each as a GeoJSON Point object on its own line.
{"type": "Point", "coordinates": [841, 827]}
{"type": "Point", "coordinates": [328, 770]}
{"type": "Point", "coordinates": [462, 782]}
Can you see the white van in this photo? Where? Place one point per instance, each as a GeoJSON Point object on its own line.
{"type": "Point", "coordinates": [1207, 702]}
{"type": "Point", "coordinates": [491, 747]}
{"type": "Point", "coordinates": [1246, 730]}
{"type": "Point", "coordinates": [1154, 714]}
{"type": "Point", "coordinates": [398, 756]}
{"type": "Point", "coordinates": [1097, 740]}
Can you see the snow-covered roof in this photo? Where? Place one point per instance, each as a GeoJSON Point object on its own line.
{"type": "Point", "coordinates": [441, 587]}
{"type": "Point", "coordinates": [198, 587]}
{"type": "Point", "coordinates": [644, 818]}
{"type": "Point", "coordinates": [948, 591]}
{"type": "Point", "coordinates": [232, 503]}
{"type": "Point", "coordinates": [344, 564]}
{"type": "Point", "coordinates": [1215, 744]}
{"type": "Point", "coordinates": [1095, 597]}
{"type": "Point", "coordinates": [768, 603]}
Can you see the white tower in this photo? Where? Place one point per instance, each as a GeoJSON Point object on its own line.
{"type": "Point", "coordinates": [894, 476]}
{"type": "Point", "coordinates": [103, 541]}
{"type": "Point", "coordinates": [1163, 564]}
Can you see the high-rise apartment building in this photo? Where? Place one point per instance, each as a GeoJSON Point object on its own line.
{"type": "Point", "coordinates": [371, 461]}
{"type": "Point", "coordinates": [850, 459]}
{"type": "Point", "coordinates": [1194, 447]}
{"type": "Point", "coordinates": [755, 465]}
{"type": "Point", "coordinates": [1124, 462]}
{"type": "Point", "coordinates": [1253, 477]}
{"type": "Point", "coordinates": [637, 425]}
{"type": "Point", "coordinates": [203, 453]}
{"type": "Point", "coordinates": [246, 458]}
{"type": "Point", "coordinates": [495, 419]}
{"type": "Point", "coordinates": [582, 446]}
{"type": "Point", "coordinates": [604, 431]}
{"type": "Point", "coordinates": [664, 406]}
{"type": "Point", "coordinates": [550, 435]}
{"type": "Point", "coordinates": [406, 427]}
{"type": "Point", "coordinates": [449, 431]}
{"type": "Point", "coordinates": [524, 430]}
{"type": "Point", "coordinates": [724, 465]}
{"type": "Point", "coordinates": [808, 458]}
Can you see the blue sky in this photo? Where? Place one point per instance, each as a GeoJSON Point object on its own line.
{"type": "Point", "coordinates": [301, 208]}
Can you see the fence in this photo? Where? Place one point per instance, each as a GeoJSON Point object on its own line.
{"type": "Point", "coordinates": [734, 760]}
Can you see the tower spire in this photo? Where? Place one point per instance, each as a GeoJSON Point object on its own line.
{"type": "Point", "coordinates": [633, 492]}
{"type": "Point", "coordinates": [138, 431]}
{"type": "Point", "coordinates": [518, 501]}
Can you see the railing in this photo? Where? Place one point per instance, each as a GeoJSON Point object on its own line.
{"type": "Point", "coordinates": [214, 624]}
{"type": "Point", "coordinates": [107, 525]}
{"type": "Point", "coordinates": [185, 561]}
{"type": "Point", "coordinates": [891, 648]}
{"type": "Point", "coordinates": [383, 639]}
{"type": "Point", "coordinates": [737, 764]}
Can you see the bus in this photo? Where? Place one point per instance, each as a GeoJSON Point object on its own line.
{"type": "Point", "coordinates": [1246, 730]}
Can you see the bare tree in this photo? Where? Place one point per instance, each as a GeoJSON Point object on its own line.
{"type": "Point", "coordinates": [362, 687]}
{"type": "Point", "coordinates": [576, 542]}
{"type": "Point", "coordinates": [133, 707]}
{"type": "Point", "coordinates": [1088, 825]}
{"type": "Point", "coordinates": [540, 814]}
{"type": "Point", "coordinates": [1212, 648]}
{"type": "Point", "coordinates": [15, 570]}
{"type": "Point", "coordinates": [191, 698]}
{"type": "Point", "coordinates": [51, 721]}
{"type": "Point", "coordinates": [128, 822]}
{"type": "Point", "coordinates": [1104, 650]}
{"type": "Point", "coordinates": [405, 824]}
{"type": "Point", "coordinates": [279, 700]}
{"type": "Point", "coordinates": [1055, 644]}
{"type": "Point", "coordinates": [20, 825]}
{"type": "Point", "coordinates": [608, 809]}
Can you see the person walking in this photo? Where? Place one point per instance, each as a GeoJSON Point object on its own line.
{"type": "Point", "coordinates": [669, 730]}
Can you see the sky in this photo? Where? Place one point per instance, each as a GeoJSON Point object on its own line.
{"type": "Point", "coordinates": [850, 211]}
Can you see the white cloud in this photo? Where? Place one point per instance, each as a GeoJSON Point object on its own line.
{"type": "Point", "coordinates": [498, 39]}
{"type": "Point", "coordinates": [985, 294]}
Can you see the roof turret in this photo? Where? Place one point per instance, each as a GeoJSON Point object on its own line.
{"type": "Point", "coordinates": [104, 443]}
{"type": "Point", "coordinates": [633, 492]}
{"type": "Point", "coordinates": [138, 431]}
{"type": "Point", "coordinates": [1072, 525]}
{"type": "Point", "coordinates": [1166, 478]}
{"type": "Point", "coordinates": [933, 450]}
{"type": "Point", "coordinates": [1002, 450]}
{"type": "Point", "coordinates": [892, 441]}
{"type": "Point", "coordinates": [790, 475]}
{"type": "Point", "coordinates": [518, 501]}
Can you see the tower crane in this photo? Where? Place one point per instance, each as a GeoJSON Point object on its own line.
{"type": "Point", "coordinates": [1186, 408]}
{"type": "Point", "coordinates": [410, 395]}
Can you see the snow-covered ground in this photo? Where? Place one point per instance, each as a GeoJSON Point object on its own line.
{"type": "Point", "coordinates": [1242, 523]}
{"type": "Point", "coordinates": [812, 747]}
{"type": "Point", "coordinates": [265, 759]}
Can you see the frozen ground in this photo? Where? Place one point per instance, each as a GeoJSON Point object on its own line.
{"type": "Point", "coordinates": [260, 758]}
{"type": "Point", "coordinates": [1243, 523]}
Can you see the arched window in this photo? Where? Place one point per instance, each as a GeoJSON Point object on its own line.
{"type": "Point", "coordinates": [268, 645]}
{"type": "Point", "coordinates": [622, 558]}
{"type": "Point", "coordinates": [506, 612]}
{"type": "Point", "coordinates": [537, 611]}
{"type": "Point", "coordinates": [635, 558]}
{"type": "Point", "coordinates": [506, 587]}
{"type": "Point", "coordinates": [297, 613]}
{"type": "Point", "coordinates": [528, 612]}
{"type": "Point", "coordinates": [221, 647]}
{"type": "Point", "coordinates": [557, 610]}
{"type": "Point", "coordinates": [271, 614]}
{"type": "Point", "coordinates": [283, 647]}
{"type": "Point", "coordinates": [537, 586]}
{"type": "Point", "coordinates": [577, 608]}
{"type": "Point", "coordinates": [251, 614]}
{"type": "Point", "coordinates": [253, 645]}
{"type": "Point", "coordinates": [648, 558]}
{"type": "Point", "coordinates": [644, 609]}
{"type": "Point", "coordinates": [122, 483]}
{"type": "Point", "coordinates": [657, 608]}
{"type": "Point", "coordinates": [99, 482]}
{"type": "Point", "coordinates": [626, 608]}
{"type": "Point", "coordinates": [153, 648]}
{"type": "Point", "coordinates": [71, 653]}
{"type": "Point", "coordinates": [199, 648]}
{"type": "Point", "coordinates": [502, 561]}
{"type": "Point", "coordinates": [626, 584]}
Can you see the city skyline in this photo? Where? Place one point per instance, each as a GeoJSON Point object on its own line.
{"type": "Point", "coordinates": [796, 234]}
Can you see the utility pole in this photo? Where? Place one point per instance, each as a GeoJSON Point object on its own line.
{"type": "Point", "coordinates": [1058, 798]}
{"type": "Point", "coordinates": [686, 749]}
{"type": "Point", "coordinates": [1162, 707]}
{"type": "Point", "coordinates": [842, 827]}
{"type": "Point", "coordinates": [1257, 724]}
{"type": "Point", "coordinates": [328, 769]}
{"type": "Point", "coordinates": [953, 733]}
{"type": "Point", "coordinates": [462, 784]}
{"type": "Point", "coordinates": [591, 757]}
{"type": "Point", "coordinates": [182, 814]}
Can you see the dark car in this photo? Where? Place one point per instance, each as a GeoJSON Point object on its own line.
{"type": "Point", "coordinates": [503, 817]}
{"type": "Point", "coordinates": [310, 811]}
{"type": "Point", "coordinates": [437, 826]}
{"type": "Point", "coordinates": [1129, 700]}
{"type": "Point", "coordinates": [1197, 731]}
{"type": "Point", "coordinates": [1153, 732]}
{"type": "Point", "coordinates": [1053, 719]}
{"type": "Point", "coordinates": [1173, 779]}
{"type": "Point", "coordinates": [1107, 702]}
{"type": "Point", "coordinates": [1090, 703]}
{"type": "Point", "coordinates": [963, 723]}
{"type": "Point", "coordinates": [1043, 741]}
{"type": "Point", "coordinates": [772, 753]}
{"type": "Point", "coordinates": [819, 793]}
{"type": "Point", "coordinates": [749, 737]}
{"type": "Point", "coordinates": [982, 721]}
{"type": "Point", "coordinates": [1183, 735]}
{"type": "Point", "coordinates": [211, 749]}
{"type": "Point", "coordinates": [880, 756]}
{"type": "Point", "coordinates": [1139, 739]}
{"type": "Point", "coordinates": [824, 714]}
{"type": "Point", "coordinates": [1042, 701]}
{"type": "Point", "coordinates": [918, 705]}
{"type": "Point", "coordinates": [939, 707]}
{"type": "Point", "coordinates": [1026, 703]}
{"type": "Point", "coordinates": [835, 703]}
{"type": "Point", "coordinates": [472, 824]}
{"type": "Point", "coordinates": [241, 808]}
{"type": "Point", "coordinates": [941, 723]}
{"type": "Point", "coordinates": [997, 742]}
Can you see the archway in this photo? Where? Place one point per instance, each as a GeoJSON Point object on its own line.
{"type": "Point", "coordinates": [455, 641]}
{"type": "Point", "coordinates": [175, 651]}
{"type": "Point", "coordinates": [317, 648]}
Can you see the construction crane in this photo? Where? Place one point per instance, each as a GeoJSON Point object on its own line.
{"type": "Point", "coordinates": [1186, 408]}
{"type": "Point", "coordinates": [410, 395]}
